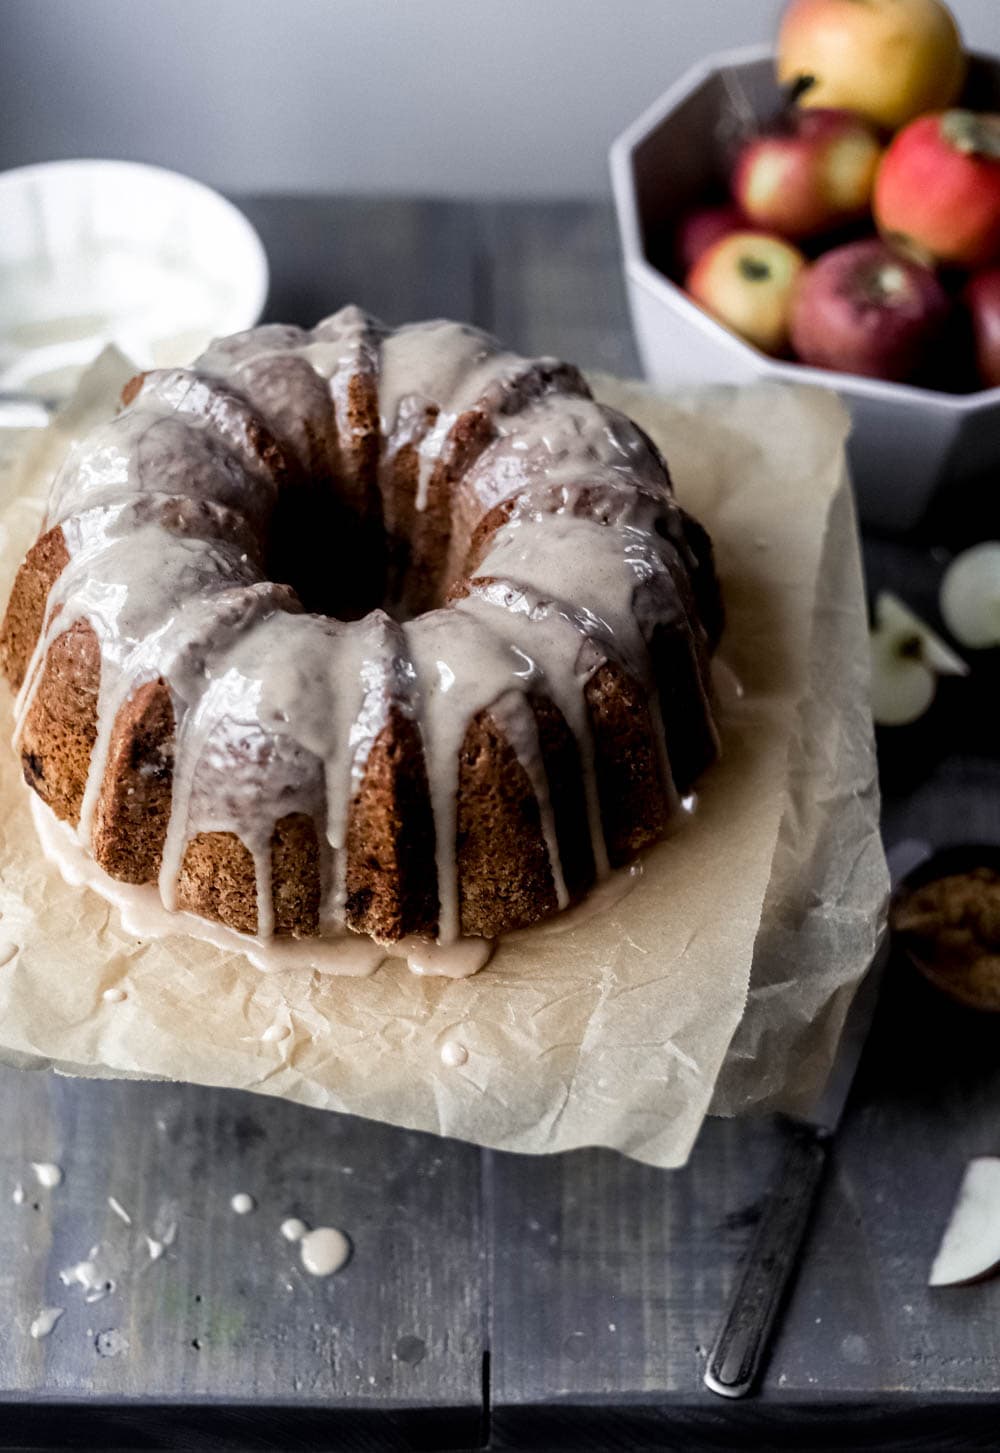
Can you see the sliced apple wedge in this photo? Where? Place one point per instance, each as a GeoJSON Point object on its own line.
{"type": "Point", "coordinates": [970, 1246]}
{"type": "Point", "coordinates": [970, 596]}
{"type": "Point", "coordinates": [907, 659]}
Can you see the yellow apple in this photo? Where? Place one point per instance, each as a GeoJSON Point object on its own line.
{"type": "Point", "coordinates": [746, 280]}
{"type": "Point", "coordinates": [888, 60]}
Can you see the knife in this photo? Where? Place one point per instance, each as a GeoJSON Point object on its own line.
{"type": "Point", "coordinates": [739, 1352]}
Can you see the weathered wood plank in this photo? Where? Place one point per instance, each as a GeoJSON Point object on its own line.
{"type": "Point", "coordinates": [608, 1276]}
{"type": "Point", "coordinates": [227, 1314]}
{"type": "Point", "coordinates": [401, 260]}
{"type": "Point", "coordinates": [863, 1321]}
{"type": "Point", "coordinates": [556, 283]}
{"type": "Point", "coordinates": [588, 1243]}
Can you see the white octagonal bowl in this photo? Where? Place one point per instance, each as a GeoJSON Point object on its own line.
{"type": "Point", "coordinates": [905, 441]}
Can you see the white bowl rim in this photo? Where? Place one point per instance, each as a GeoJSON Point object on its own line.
{"type": "Point", "coordinates": [257, 276]}
{"type": "Point", "coordinates": [642, 270]}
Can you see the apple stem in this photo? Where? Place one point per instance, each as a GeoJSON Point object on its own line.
{"type": "Point", "coordinates": [799, 87]}
{"type": "Point", "coordinates": [971, 134]}
{"type": "Point", "coordinates": [753, 269]}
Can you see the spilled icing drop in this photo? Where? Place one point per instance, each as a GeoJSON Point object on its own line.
{"type": "Point", "coordinates": [17, 1194]}
{"type": "Point", "coordinates": [86, 1276]}
{"type": "Point", "coordinates": [324, 1251]}
{"type": "Point", "coordinates": [453, 1053]}
{"type": "Point", "coordinates": [119, 1210]}
{"type": "Point", "coordinates": [114, 996]}
{"type": "Point", "coordinates": [45, 1321]}
{"type": "Point", "coordinates": [156, 1247]}
{"type": "Point", "coordinates": [243, 1204]}
{"type": "Point", "coordinates": [47, 1174]}
{"type": "Point", "coordinates": [293, 1229]}
{"type": "Point", "coordinates": [457, 960]}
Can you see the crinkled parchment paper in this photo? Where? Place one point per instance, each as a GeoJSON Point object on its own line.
{"type": "Point", "coordinates": [626, 1029]}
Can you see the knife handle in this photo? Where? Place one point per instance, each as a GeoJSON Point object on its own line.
{"type": "Point", "coordinates": [737, 1357]}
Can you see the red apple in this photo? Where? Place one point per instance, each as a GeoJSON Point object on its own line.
{"type": "Point", "coordinates": [887, 60]}
{"type": "Point", "coordinates": [983, 297]}
{"type": "Point", "coordinates": [811, 174]}
{"type": "Point", "coordinates": [699, 228]}
{"type": "Point", "coordinates": [863, 309]}
{"type": "Point", "coordinates": [746, 280]}
{"type": "Point", "coordinates": [937, 193]}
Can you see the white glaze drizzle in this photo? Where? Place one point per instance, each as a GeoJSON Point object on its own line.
{"type": "Point", "coordinates": [171, 580]}
{"type": "Point", "coordinates": [512, 712]}
{"type": "Point", "coordinates": [85, 1274]}
{"type": "Point", "coordinates": [423, 366]}
{"type": "Point", "coordinates": [45, 1321]}
{"type": "Point", "coordinates": [324, 1250]}
{"type": "Point", "coordinates": [454, 1054]}
{"type": "Point", "coordinates": [47, 1174]}
{"type": "Point", "coordinates": [343, 953]}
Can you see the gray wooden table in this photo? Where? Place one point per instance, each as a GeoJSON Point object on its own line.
{"type": "Point", "coordinates": [565, 1301]}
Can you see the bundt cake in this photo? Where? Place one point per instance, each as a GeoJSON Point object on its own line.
{"type": "Point", "coordinates": [385, 630]}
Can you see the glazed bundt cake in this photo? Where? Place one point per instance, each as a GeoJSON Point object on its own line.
{"type": "Point", "coordinates": [384, 630]}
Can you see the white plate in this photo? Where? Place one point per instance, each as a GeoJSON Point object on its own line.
{"type": "Point", "coordinates": [97, 252]}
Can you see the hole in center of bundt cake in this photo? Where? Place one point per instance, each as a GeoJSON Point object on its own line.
{"type": "Point", "coordinates": [333, 557]}
{"type": "Point", "coordinates": [341, 561]}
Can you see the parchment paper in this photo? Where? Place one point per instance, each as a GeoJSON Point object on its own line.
{"type": "Point", "coordinates": [622, 1029]}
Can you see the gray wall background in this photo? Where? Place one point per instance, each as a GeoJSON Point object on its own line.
{"type": "Point", "coordinates": [445, 97]}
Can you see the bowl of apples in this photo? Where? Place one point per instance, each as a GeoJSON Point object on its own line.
{"type": "Point", "coordinates": [828, 213]}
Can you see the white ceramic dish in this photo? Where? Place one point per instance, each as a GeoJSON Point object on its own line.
{"type": "Point", "coordinates": [97, 252]}
{"type": "Point", "coordinates": [905, 441]}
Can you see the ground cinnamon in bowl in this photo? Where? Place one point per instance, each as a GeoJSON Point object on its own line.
{"type": "Point", "coordinates": [949, 925]}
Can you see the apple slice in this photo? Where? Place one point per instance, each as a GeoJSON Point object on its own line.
{"type": "Point", "coordinates": [970, 596]}
{"type": "Point", "coordinates": [970, 1246]}
{"type": "Point", "coordinates": [907, 659]}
